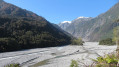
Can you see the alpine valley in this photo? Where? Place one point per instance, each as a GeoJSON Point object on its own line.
{"type": "Point", "coordinates": [30, 40]}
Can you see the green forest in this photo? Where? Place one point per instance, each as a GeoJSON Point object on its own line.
{"type": "Point", "coordinates": [26, 33]}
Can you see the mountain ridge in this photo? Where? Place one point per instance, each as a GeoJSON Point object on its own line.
{"type": "Point", "coordinates": [22, 29]}
{"type": "Point", "coordinates": [98, 28]}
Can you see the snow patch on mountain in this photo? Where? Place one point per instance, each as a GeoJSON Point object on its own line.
{"type": "Point", "coordinates": [82, 17]}
{"type": "Point", "coordinates": [65, 22]}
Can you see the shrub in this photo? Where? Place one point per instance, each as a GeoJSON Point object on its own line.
{"type": "Point", "coordinates": [107, 61]}
{"type": "Point", "coordinates": [74, 63]}
{"type": "Point", "coordinates": [12, 65]}
{"type": "Point", "coordinates": [107, 41]}
{"type": "Point", "coordinates": [77, 41]}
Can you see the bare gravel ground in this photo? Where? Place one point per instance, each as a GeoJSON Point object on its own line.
{"type": "Point", "coordinates": [56, 56]}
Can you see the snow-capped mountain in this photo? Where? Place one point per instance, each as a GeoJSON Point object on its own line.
{"type": "Point", "coordinates": [81, 19]}
{"type": "Point", "coordinates": [64, 24]}
{"type": "Point", "coordinates": [73, 26]}
{"type": "Point", "coordinates": [97, 28]}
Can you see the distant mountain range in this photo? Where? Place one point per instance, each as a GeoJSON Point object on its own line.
{"type": "Point", "coordinates": [94, 29]}
{"type": "Point", "coordinates": [22, 29]}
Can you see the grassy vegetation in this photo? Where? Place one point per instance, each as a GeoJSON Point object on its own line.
{"type": "Point", "coordinates": [74, 63]}
{"type": "Point", "coordinates": [107, 61]}
{"type": "Point", "coordinates": [110, 60]}
{"type": "Point", "coordinates": [12, 65]}
{"type": "Point", "coordinates": [107, 41]}
{"type": "Point", "coordinates": [77, 41]}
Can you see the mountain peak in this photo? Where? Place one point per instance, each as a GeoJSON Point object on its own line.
{"type": "Point", "coordinates": [94, 29]}
{"type": "Point", "coordinates": [65, 22]}
{"type": "Point", "coordinates": [24, 22]}
{"type": "Point", "coordinates": [10, 10]}
{"type": "Point", "coordinates": [81, 17]}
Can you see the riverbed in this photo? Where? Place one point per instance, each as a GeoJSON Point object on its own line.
{"type": "Point", "coordinates": [56, 56]}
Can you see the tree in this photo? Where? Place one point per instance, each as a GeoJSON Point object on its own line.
{"type": "Point", "coordinates": [107, 41]}
{"type": "Point", "coordinates": [116, 38]}
{"type": "Point", "coordinates": [8, 44]}
{"type": "Point", "coordinates": [77, 41]}
{"type": "Point", "coordinates": [26, 33]}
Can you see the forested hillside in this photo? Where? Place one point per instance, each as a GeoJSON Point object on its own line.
{"type": "Point", "coordinates": [22, 29]}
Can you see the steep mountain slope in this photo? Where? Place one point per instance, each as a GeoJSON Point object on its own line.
{"type": "Point", "coordinates": [22, 29]}
{"type": "Point", "coordinates": [60, 29]}
{"type": "Point", "coordinates": [104, 24]}
{"type": "Point", "coordinates": [64, 24]}
{"type": "Point", "coordinates": [7, 9]}
{"type": "Point", "coordinates": [97, 28]}
{"type": "Point", "coordinates": [75, 25]}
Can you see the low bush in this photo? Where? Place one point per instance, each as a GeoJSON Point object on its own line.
{"type": "Point", "coordinates": [106, 61]}
{"type": "Point", "coordinates": [12, 65]}
{"type": "Point", "coordinates": [111, 60]}
{"type": "Point", "coordinates": [77, 41]}
{"type": "Point", "coordinates": [74, 63]}
{"type": "Point", "coordinates": [107, 41]}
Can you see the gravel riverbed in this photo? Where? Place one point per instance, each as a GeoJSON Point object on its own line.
{"type": "Point", "coordinates": [56, 56]}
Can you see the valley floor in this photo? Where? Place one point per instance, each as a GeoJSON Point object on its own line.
{"type": "Point", "coordinates": [56, 56]}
